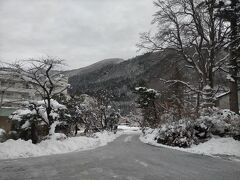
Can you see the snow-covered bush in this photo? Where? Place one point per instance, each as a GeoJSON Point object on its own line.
{"type": "Point", "coordinates": [221, 122]}
{"type": "Point", "coordinates": [85, 112]}
{"type": "Point", "coordinates": [89, 112]}
{"type": "Point", "coordinates": [179, 134]}
{"type": "Point", "coordinates": [2, 135]}
{"type": "Point", "coordinates": [185, 132]}
{"type": "Point", "coordinates": [31, 121]}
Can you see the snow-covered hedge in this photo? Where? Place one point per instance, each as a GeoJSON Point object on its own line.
{"type": "Point", "coordinates": [176, 134]}
{"type": "Point", "coordinates": [219, 122]}
{"type": "Point", "coordinates": [32, 122]}
{"type": "Point", "coordinates": [186, 132]}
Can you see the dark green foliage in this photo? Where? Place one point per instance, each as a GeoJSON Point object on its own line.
{"type": "Point", "coordinates": [147, 99]}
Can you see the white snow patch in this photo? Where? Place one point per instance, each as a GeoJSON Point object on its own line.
{"type": "Point", "coordinates": [129, 129]}
{"type": "Point", "coordinates": [2, 131]}
{"type": "Point", "coordinates": [230, 78]}
{"type": "Point", "coordinates": [19, 113]}
{"type": "Point", "coordinates": [26, 125]}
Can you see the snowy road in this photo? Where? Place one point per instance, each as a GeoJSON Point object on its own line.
{"type": "Point", "coordinates": [125, 159]}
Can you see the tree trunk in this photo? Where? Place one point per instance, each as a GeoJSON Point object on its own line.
{"type": "Point", "coordinates": [34, 134]}
{"type": "Point", "coordinates": [76, 130]}
{"type": "Point", "coordinates": [48, 111]}
{"type": "Point", "coordinates": [233, 85]}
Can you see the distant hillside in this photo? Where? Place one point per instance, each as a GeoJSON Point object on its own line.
{"type": "Point", "coordinates": [119, 79]}
{"type": "Point", "coordinates": [93, 67]}
{"type": "Point", "coordinates": [115, 75]}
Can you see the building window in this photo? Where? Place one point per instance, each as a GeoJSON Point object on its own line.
{"type": "Point", "coordinates": [4, 84]}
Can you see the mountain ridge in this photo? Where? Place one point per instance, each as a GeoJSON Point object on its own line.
{"type": "Point", "coordinates": [92, 67]}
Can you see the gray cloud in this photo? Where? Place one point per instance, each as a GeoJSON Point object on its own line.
{"type": "Point", "coordinates": [80, 31]}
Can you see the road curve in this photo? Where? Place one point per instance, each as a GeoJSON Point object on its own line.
{"type": "Point", "coordinates": [125, 159]}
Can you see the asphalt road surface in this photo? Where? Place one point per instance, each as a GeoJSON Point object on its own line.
{"type": "Point", "coordinates": [126, 159]}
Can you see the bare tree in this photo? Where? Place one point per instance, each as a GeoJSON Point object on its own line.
{"type": "Point", "coordinates": [44, 77]}
{"type": "Point", "coordinates": [191, 29]}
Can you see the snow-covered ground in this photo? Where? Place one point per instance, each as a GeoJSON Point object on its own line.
{"type": "Point", "coordinates": [128, 129]}
{"type": "Point", "coordinates": [22, 149]}
{"type": "Point", "coordinates": [12, 149]}
{"type": "Point", "coordinates": [214, 147]}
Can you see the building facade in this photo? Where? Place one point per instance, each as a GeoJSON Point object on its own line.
{"type": "Point", "coordinates": [14, 91]}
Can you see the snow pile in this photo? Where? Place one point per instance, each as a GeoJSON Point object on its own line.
{"type": "Point", "coordinates": [21, 149]}
{"type": "Point", "coordinates": [215, 132]}
{"type": "Point", "coordinates": [58, 143]}
{"type": "Point", "coordinates": [218, 146]}
{"type": "Point", "coordinates": [187, 132]}
{"type": "Point", "coordinates": [214, 147]}
{"type": "Point", "coordinates": [129, 129]}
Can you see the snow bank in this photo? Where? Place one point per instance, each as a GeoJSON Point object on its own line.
{"type": "Point", "coordinates": [21, 149]}
{"type": "Point", "coordinates": [12, 149]}
{"type": "Point", "coordinates": [218, 146]}
{"type": "Point", "coordinates": [215, 146]}
{"type": "Point", "coordinates": [129, 129]}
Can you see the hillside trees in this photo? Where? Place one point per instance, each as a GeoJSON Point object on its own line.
{"type": "Point", "coordinates": [191, 29]}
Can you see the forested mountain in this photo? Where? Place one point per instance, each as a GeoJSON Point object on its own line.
{"type": "Point", "coordinates": [93, 67]}
{"type": "Point", "coordinates": [148, 68]}
{"type": "Point", "coordinates": [119, 79]}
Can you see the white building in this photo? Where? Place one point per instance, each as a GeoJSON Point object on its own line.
{"type": "Point", "coordinates": [14, 90]}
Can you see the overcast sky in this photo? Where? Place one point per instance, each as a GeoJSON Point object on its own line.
{"type": "Point", "coordinates": [79, 31]}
